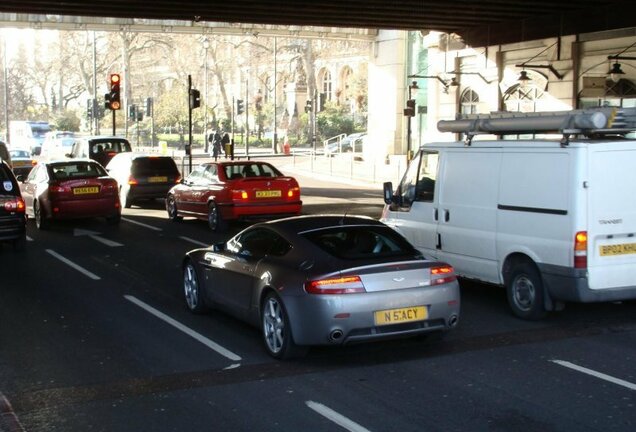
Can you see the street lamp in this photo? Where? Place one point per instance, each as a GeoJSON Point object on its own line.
{"type": "Point", "coordinates": [409, 112]}
{"type": "Point", "coordinates": [206, 45]}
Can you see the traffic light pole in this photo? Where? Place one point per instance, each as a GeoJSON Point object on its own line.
{"type": "Point", "coordinates": [189, 148]}
{"type": "Point", "coordinates": [114, 124]}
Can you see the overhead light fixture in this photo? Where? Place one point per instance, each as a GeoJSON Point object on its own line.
{"type": "Point", "coordinates": [523, 78]}
{"type": "Point", "coordinates": [453, 82]}
{"type": "Point", "coordinates": [527, 65]}
{"type": "Point", "coordinates": [615, 72]}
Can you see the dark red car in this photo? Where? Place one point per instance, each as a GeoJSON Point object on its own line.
{"type": "Point", "coordinates": [78, 188]}
{"type": "Point", "coordinates": [223, 191]}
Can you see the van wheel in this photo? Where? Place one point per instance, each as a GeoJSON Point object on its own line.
{"type": "Point", "coordinates": [525, 292]}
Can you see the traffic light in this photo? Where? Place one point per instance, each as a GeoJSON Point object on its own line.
{"type": "Point", "coordinates": [240, 107]}
{"type": "Point", "coordinates": [309, 106]}
{"type": "Point", "coordinates": [409, 111]}
{"type": "Point", "coordinates": [113, 97]}
{"type": "Point", "coordinates": [195, 98]}
{"type": "Point", "coordinates": [132, 112]}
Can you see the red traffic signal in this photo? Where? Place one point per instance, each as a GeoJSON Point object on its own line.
{"type": "Point", "coordinates": [114, 99]}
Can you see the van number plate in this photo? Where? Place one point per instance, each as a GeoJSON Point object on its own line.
{"type": "Point", "coordinates": [618, 249]}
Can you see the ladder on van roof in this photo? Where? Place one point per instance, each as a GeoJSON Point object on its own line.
{"type": "Point", "coordinates": [592, 123]}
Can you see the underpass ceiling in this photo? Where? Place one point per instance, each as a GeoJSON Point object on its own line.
{"type": "Point", "coordinates": [478, 22]}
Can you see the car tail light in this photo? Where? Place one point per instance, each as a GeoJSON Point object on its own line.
{"type": "Point", "coordinates": [177, 179]}
{"type": "Point", "coordinates": [109, 186]}
{"type": "Point", "coordinates": [16, 205]}
{"type": "Point", "coordinates": [239, 195]}
{"type": "Point", "coordinates": [337, 285]}
{"type": "Point", "coordinates": [442, 274]}
{"type": "Point", "coordinates": [132, 180]}
{"type": "Point", "coordinates": [295, 191]}
{"type": "Point", "coordinates": [34, 162]}
{"type": "Point", "coordinates": [580, 250]}
{"type": "Point", "coordinates": [56, 188]}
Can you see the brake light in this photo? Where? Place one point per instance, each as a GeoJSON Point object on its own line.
{"type": "Point", "coordinates": [239, 195]}
{"type": "Point", "coordinates": [293, 191]}
{"type": "Point", "coordinates": [132, 181]}
{"type": "Point", "coordinates": [442, 274]}
{"type": "Point", "coordinates": [338, 285]}
{"type": "Point", "coordinates": [57, 188]}
{"type": "Point", "coordinates": [34, 162]}
{"type": "Point", "coordinates": [580, 250]}
{"type": "Point", "coordinates": [177, 179]}
{"type": "Point", "coordinates": [16, 205]}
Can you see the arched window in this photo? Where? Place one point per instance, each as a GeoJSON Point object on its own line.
{"type": "Point", "coordinates": [528, 97]}
{"type": "Point", "coordinates": [326, 84]}
{"type": "Point", "coordinates": [346, 84]}
{"type": "Point", "coordinates": [469, 101]}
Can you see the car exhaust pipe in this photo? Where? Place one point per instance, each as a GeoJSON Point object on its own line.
{"type": "Point", "coordinates": [453, 320]}
{"type": "Point", "coordinates": [335, 335]}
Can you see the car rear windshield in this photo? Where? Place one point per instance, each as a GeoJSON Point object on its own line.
{"type": "Point", "coordinates": [361, 242]}
{"type": "Point", "coordinates": [237, 171]}
{"type": "Point", "coordinates": [154, 165]}
{"type": "Point", "coordinates": [71, 170]}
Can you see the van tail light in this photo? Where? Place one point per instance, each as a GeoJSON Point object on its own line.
{"type": "Point", "coordinates": [16, 205]}
{"type": "Point", "coordinates": [337, 285]}
{"type": "Point", "coordinates": [442, 275]}
{"type": "Point", "coordinates": [239, 195]}
{"type": "Point", "coordinates": [132, 181]}
{"type": "Point", "coordinates": [580, 250]}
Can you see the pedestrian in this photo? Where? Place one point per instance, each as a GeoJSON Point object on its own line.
{"type": "Point", "coordinates": [216, 145]}
{"type": "Point", "coordinates": [225, 142]}
{"type": "Point", "coordinates": [208, 141]}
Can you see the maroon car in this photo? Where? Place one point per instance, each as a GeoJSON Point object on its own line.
{"type": "Point", "coordinates": [78, 188]}
{"type": "Point", "coordinates": [222, 191]}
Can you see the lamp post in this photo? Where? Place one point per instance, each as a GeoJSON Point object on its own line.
{"type": "Point", "coordinates": [206, 45]}
{"type": "Point", "coordinates": [409, 112]}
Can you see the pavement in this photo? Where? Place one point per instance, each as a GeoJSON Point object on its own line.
{"type": "Point", "coordinates": [8, 420]}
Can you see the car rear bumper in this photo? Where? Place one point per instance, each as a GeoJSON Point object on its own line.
{"type": "Point", "coordinates": [12, 227]}
{"type": "Point", "coordinates": [150, 191]}
{"type": "Point", "coordinates": [259, 210]}
{"type": "Point", "coordinates": [569, 284]}
{"type": "Point", "coordinates": [84, 208]}
{"type": "Point", "coordinates": [349, 318]}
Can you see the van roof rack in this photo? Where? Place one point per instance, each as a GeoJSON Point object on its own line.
{"type": "Point", "coordinates": [592, 122]}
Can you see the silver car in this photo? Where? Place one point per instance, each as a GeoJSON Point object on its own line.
{"type": "Point", "coordinates": [320, 280]}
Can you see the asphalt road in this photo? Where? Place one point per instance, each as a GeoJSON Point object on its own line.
{"type": "Point", "coordinates": [95, 336]}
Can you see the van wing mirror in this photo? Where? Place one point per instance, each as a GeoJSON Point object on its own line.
{"type": "Point", "coordinates": [388, 193]}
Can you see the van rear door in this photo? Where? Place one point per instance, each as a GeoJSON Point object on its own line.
{"type": "Point", "coordinates": [612, 215]}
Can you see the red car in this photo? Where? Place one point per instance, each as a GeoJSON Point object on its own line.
{"type": "Point", "coordinates": [223, 191]}
{"type": "Point", "coordinates": [78, 188]}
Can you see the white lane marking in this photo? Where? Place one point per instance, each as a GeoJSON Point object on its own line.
{"type": "Point", "coordinates": [232, 366]}
{"type": "Point", "coordinates": [154, 228]}
{"type": "Point", "coordinates": [29, 238]}
{"type": "Point", "coordinates": [196, 242]}
{"type": "Point", "coordinates": [593, 373]}
{"type": "Point", "coordinates": [205, 341]}
{"type": "Point", "coordinates": [335, 417]}
{"type": "Point", "coordinates": [94, 235]}
{"type": "Point", "coordinates": [72, 264]}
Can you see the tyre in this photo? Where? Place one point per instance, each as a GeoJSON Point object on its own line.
{"type": "Point", "coordinates": [125, 201]}
{"type": "Point", "coordinates": [214, 218]}
{"type": "Point", "coordinates": [525, 292]}
{"type": "Point", "coordinates": [276, 330]}
{"type": "Point", "coordinates": [171, 208]}
{"type": "Point", "coordinates": [192, 290]}
{"type": "Point", "coordinates": [41, 222]}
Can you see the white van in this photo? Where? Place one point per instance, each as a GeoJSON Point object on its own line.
{"type": "Point", "coordinates": [552, 220]}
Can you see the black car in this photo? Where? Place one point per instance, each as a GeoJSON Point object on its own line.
{"type": "Point", "coordinates": [143, 176]}
{"type": "Point", "coordinates": [98, 148]}
{"type": "Point", "coordinates": [12, 209]}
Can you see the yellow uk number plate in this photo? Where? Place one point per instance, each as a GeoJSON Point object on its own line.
{"type": "Point", "coordinates": [397, 316]}
{"type": "Point", "coordinates": [618, 249]}
{"type": "Point", "coordinates": [159, 179]}
{"type": "Point", "coordinates": [268, 194]}
{"type": "Point", "coordinates": [85, 190]}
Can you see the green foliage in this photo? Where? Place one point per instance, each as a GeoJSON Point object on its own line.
{"type": "Point", "coordinates": [67, 121]}
{"type": "Point", "coordinates": [334, 120]}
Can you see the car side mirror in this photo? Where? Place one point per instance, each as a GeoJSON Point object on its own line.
{"type": "Point", "coordinates": [20, 178]}
{"type": "Point", "coordinates": [218, 247]}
